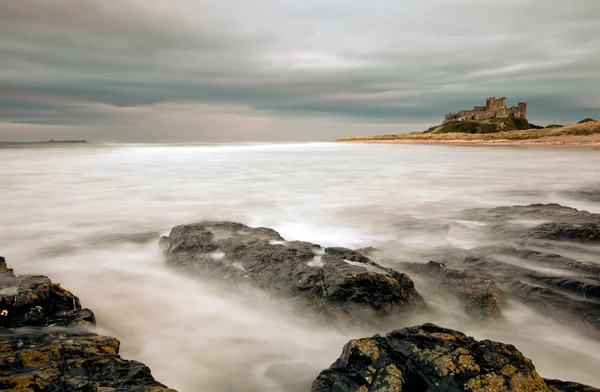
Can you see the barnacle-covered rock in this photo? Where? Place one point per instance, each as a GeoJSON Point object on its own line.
{"type": "Point", "coordinates": [431, 358]}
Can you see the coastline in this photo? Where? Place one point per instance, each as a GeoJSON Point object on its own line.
{"type": "Point", "coordinates": [564, 141]}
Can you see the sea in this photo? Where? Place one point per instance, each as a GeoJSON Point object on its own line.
{"type": "Point", "coordinates": [88, 215]}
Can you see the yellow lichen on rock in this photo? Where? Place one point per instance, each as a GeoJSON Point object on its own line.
{"type": "Point", "coordinates": [528, 382]}
{"type": "Point", "coordinates": [21, 382]}
{"type": "Point", "coordinates": [487, 383]}
{"type": "Point", "coordinates": [366, 347]}
{"type": "Point", "coordinates": [394, 379]}
{"type": "Point", "coordinates": [508, 370]}
{"type": "Point", "coordinates": [444, 336]}
{"type": "Point", "coordinates": [466, 361]}
{"type": "Point", "coordinates": [34, 358]}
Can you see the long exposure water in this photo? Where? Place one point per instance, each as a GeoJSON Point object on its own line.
{"type": "Point", "coordinates": [88, 216]}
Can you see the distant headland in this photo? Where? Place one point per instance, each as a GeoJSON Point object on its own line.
{"type": "Point", "coordinates": [51, 141]}
{"type": "Point", "coordinates": [64, 141]}
{"type": "Point", "coordinates": [495, 124]}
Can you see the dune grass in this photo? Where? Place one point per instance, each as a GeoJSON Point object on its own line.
{"type": "Point", "coordinates": [584, 128]}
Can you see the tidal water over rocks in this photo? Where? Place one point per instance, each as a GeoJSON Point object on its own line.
{"type": "Point", "coordinates": [38, 352]}
{"type": "Point", "coordinates": [335, 282]}
{"type": "Point", "coordinates": [86, 217]}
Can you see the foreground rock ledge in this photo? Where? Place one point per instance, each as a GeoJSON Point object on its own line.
{"type": "Point", "coordinates": [333, 281]}
{"type": "Point", "coordinates": [39, 353]}
{"type": "Point", "coordinates": [430, 358]}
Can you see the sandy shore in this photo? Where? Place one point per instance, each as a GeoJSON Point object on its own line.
{"type": "Point", "coordinates": [568, 141]}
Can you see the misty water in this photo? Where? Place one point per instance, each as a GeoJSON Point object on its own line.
{"type": "Point", "coordinates": [88, 216]}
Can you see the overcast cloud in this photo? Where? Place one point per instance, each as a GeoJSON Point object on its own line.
{"type": "Point", "coordinates": [227, 70]}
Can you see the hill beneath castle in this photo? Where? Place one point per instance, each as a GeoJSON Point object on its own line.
{"type": "Point", "coordinates": [496, 132]}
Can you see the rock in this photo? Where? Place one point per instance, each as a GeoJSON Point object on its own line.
{"type": "Point", "coordinates": [558, 231]}
{"type": "Point", "coordinates": [557, 285]}
{"type": "Point", "coordinates": [550, 222]}
{"type": "Point", "coordinates": [34, 301]}
{"type": "Point", "coordinates": [536, 258]}
{"type": "Point", "coordinates": [568, 299]}
{"type": "Point", "coordinates": [46, 343]}
{"type": "Point", "coordinates": [543, 212]}
{"type": "Point", "coordinates": [589, 193]}
{"type": "Point", "coordinates": [69, 361]}
{"type": "Point", "coordinates": [478, 292]}
{"type": "Point", "coordinates": [568, 386]}
{"type": "Point", "coordinates": [334, 281]}
{"type": "Point", "coordinates": [431, 358]}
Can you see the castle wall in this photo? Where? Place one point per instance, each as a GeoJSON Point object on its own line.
{"type": "Point", "coordinates": [494, 107]}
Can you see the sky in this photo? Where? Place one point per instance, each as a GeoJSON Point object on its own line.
{"type": "Point", "coordinates": [286, 70]}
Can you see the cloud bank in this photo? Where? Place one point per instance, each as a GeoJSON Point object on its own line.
{"type": "Point", "coordinates": [183, 70]}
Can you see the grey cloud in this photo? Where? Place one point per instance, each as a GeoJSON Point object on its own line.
{"type": "Point", "coordinates": [379, 62]}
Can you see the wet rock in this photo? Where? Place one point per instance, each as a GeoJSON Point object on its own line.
{"type": "Point", "coordinates": [548, 212]}
{"type": "Point", "coordinates": [555, 222]}
{"type": "Point", "coordinates": [334, 281]}
{"type": "Point", "coordinates": [431, 358]}
{"type": "Point", "coordinates": [69, 361]}
{"type": "Point", "coordinates": [544, 266]}
{"type": "Point", "coordinates": [571, 299]}
{"type": "Point", "coordinates": [34, 301]}
{"type": "Point", "coordinates": [46, 343]}
{"type": "Point", "coordinates": [590, 193]}
{"type": "Point", "coordinates": [568, 386]}
{"type": "Point", "coordinates": [559, 231]}
{"type": "Point", "coordinates": [535, 258]}
{"type": "Point", "coordinates": [479, 294]}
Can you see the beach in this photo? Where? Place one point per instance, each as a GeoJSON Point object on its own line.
{"type": "Point", "coordinates": [565, 141]}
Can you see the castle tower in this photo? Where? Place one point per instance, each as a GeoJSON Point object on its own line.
{"type": "Point", "coordinates": [501, 104]}
{"type": "Point", "coordinates": [522, 110]}
{"type": "Point", "coordinates": [490, 103]}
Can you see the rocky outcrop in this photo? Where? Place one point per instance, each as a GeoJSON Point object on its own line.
{"type": "Point", "coordinates": [589, 193]}
{"type": "Point", "coordinates": [479, 294]}
{"type": "Point", "coordinates": [557, 222]}
{"type": "Point", "coordinates": [46, 345]}
{"type": "Point", "coordinates": [337, 282]}
{"type": "Point", "coordinates": [569, 299]}
{"type": "Point", "coordinates": [69, 361]}
{"type": "Point", "coordinates": [430, 358]}
{"type": "Point", "coordinates": [34, 301]}
{"type": "Point", "coordinates": [545, 266]}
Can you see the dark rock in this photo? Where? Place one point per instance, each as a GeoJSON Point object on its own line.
{"type": "Point", "coordinates": [568, 386]}
{"type": "Point", "coordinates": [34, 301]}
{"type": "Point", "coordinates": [478, 292]}
{"type": "Point", "coordinates": [536, 258]}
{"type": "Point", "coordinates": [590, 193]}
{"type": "Point", "coordinates": [555, 284]}
{"type": "Point", "coordinates": [559, 231]}
{"type": "Point", "coordinates": [38, 352]}
{"type": "Point", "coordinates": [336, 281]}
{"type": "Point", "coordinates": [556, 222]}
{"type": "Point", "coordinates": [568, 299]}
{"type": "Point", "coordinates": [563, 307]}
{"type": "Point", "coordinates": [544, 212]}
{"type": "Point", "coordinates": [69, 361]}
{"type": "Point", "coordinates": [430, 358]}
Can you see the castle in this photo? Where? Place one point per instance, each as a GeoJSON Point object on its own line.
{"type": "Point", "coordinates": [494, 107]}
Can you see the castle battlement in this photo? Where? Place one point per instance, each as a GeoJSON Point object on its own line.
{"type": "Point", "coordinates": [494, 107]}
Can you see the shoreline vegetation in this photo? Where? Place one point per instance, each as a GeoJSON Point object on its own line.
{"type": "Point", "coordinates": [495, 132]}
